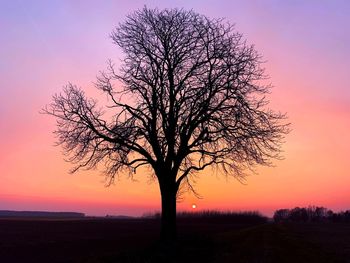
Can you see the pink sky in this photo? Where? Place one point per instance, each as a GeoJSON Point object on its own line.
{"type": "Point", "coordinates": [46, 44]}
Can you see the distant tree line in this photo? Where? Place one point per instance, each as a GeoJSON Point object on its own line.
{"type": "Point", "coordinates": [215, 216]}
{"type": "Point", "coordinates": [310, 214]}
{"type": "Point", "coordinates": [45, 214]}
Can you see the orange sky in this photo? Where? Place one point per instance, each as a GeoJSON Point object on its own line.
{"type": "Point", "coordinates": [45, 46]}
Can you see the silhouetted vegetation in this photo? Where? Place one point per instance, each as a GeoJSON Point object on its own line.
{"type": "Point", "coordinates": [190, 94]}
{"type": "Point", "coordinates": [310, 214]}
{"type": "Point", "coordinates": [216, 216]}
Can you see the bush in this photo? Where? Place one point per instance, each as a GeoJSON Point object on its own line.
{"type": "Point", "coordinates": [310, 214]}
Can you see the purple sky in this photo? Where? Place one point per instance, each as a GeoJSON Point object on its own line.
{"type": "Point", "coordinates": [46, 44]}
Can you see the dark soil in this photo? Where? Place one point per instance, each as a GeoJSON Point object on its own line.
{"type": "Point", "coordinates": [136, 240]}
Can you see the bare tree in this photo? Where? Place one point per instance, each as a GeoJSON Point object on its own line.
{"type": "Point", "coordinates": [190, 96]}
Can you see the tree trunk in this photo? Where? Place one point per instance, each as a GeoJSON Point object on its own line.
{"type": "Point", "coordinates": [168, 218]}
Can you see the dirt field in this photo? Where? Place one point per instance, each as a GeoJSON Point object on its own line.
{"type": "Point", "coordinates": [136, 240]}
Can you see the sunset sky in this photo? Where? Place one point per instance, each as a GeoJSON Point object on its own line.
{"type": "Point", "coordinates": [46, 44]}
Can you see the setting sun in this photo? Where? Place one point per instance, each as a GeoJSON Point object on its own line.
{"type": "Point", "coordinates": [242, 106]}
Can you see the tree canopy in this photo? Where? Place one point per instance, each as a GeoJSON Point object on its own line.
{"type": "Point", "coordinates": [189, 94]}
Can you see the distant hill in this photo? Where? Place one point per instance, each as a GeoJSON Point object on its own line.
{"type": "Point", "coordinates": [120, 217]}
{"type": "Point", "coordinates": [9, 213]}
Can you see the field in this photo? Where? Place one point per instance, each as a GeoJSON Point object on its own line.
{"type": "Point", "coordinates": [136, 240]}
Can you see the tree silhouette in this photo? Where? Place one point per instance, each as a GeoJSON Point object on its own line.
{"type": "Point", "coordinates": [189, 96]}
